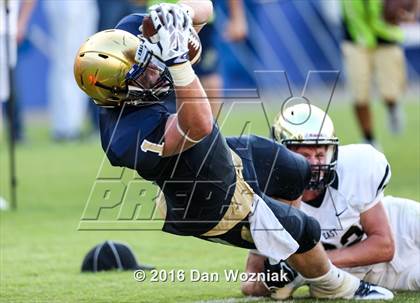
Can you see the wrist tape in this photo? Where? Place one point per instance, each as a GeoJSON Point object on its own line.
{"type": "Point", "coordinates": [182, 74]}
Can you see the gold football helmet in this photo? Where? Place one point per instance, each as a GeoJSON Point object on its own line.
{"type": "Point", "coordinates": [105, 69]}
{"type": "Point", "coordinates": [306, 124]}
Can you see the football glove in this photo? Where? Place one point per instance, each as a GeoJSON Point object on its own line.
{"type": "Point", "coordinates": [172, 23]}
{"type": "Point", "coordinates": [285, 273]}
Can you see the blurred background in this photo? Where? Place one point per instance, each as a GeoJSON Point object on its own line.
{"type": "Point", "coordinates": [295, 36]}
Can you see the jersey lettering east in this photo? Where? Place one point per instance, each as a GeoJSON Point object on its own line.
{"type": "Point", "coordinates": [362, 174]}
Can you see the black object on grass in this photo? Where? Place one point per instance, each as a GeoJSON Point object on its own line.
{"type": "Point", "coordinates": [111, 255]}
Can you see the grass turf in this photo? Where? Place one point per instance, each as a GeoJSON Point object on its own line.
{"type": "Point", "coordinates": [42, 250]}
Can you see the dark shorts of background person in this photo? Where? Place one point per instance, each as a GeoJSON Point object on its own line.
{"type": "Point", "coordinates": [209, 63]}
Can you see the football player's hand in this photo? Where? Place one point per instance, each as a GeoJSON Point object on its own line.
{"type": "Point", "coordinates": [286, 273]}
{"type": "Point", "coordinates": [173, 24]}
{"type": "Point", "coordinates": [185, 8]}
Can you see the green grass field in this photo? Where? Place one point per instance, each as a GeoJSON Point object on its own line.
{"type": "Point", "coordinates": [42, 250]}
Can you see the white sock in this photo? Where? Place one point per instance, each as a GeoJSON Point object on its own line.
{"type": "Point", "coordinates": [336, 283]}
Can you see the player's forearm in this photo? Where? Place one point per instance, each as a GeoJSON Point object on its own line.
{"type": "Point", "coordinates": [194, 112]}
{"type": "Point", "coordinates": [375, 249]}
{"type": "Point", "coordinates": [202, 10]}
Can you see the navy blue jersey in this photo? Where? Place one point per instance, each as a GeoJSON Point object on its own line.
{"type": "Point", "coordinates": [273, 171]}
{"type": "Point", "coordinates": [209, 62]}
{"type": "Point", "coordinates": [270, 168]}
{"type": "Point", "coordinates": [198, 184]}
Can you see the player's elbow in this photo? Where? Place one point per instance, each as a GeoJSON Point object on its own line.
{"type": "Point", "coordinates": [203, 10]}
{"type": "Point", "coordinates": [207, 127]}
{"type": "Point", "coordinates": [208, 9]}
{"type": "Point", "coordinates": [385, 249]}
{"type": "Point", "coordinates": [246, 288]}
{"type": "Point", "coordinates": [202, 128]}
{"type": "Point", "coordinates": [250, 288]}
{"type": "Point", "coordinates": [388, 249]}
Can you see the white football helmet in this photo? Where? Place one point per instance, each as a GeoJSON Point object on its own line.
{"type": "Point", "coordinates": [306, 124]}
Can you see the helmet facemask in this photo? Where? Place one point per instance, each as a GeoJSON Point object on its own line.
{"type": "Point", "coordinates": [322, 174]}
{"type": "Point", "coordinates": [149, 80]}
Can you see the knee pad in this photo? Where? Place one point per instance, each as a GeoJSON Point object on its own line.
{"type": "Point", "coordinates": [310, 236]}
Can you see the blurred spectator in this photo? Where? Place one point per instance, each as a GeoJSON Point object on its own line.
{"type": "Point", "coordinates": [110, 12]}
{"type": "Point", "coordinates": [372, 38]}
{"type": "Point", "coordinates": [70, 23]}
{"type": "Point", "coordinates": [19, 15]}
{"type": "Point", "coordinates": [11, 34]}
{"type": "Point", "coordinates": [208, 68]}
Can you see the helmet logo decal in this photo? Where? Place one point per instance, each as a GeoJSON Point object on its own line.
{"type": "Point", "coordinates": [292, 119]}
{"type": "Point", "coordinates": [92, 79]}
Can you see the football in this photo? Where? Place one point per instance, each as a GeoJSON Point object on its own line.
{"type": "Point", "coordinates": [194, 43]}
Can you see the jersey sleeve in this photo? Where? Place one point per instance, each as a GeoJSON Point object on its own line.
{"type": "Point", "coordinates": [133, 138]}
{"type": "Point", "coordinates": [131, 23]}
{"type": "Point", "coordinates": [374, 176]}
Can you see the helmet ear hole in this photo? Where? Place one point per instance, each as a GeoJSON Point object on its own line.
{"type": "Point", "coordinates": [103, 56]}
{"type": "Point", "coordinates": [81, 55]}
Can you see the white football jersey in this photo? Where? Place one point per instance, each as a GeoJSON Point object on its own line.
{"type": "Point", "coordinates": [361, 175]}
